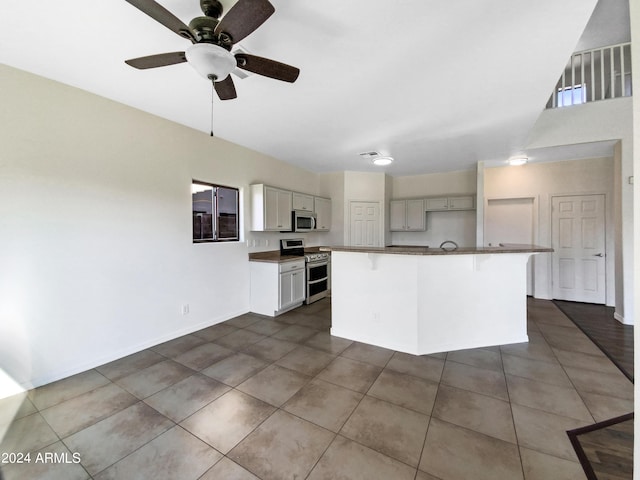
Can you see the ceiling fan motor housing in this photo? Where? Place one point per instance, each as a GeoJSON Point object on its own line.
{"type": "Point", "coordinates": [204, 28]}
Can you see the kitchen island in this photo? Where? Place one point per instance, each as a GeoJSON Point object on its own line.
{"type": "Point", "coordinates": [422, 300]}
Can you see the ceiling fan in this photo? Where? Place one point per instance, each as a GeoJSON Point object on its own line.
{"type": "Point", "coordinates": [212, 39]}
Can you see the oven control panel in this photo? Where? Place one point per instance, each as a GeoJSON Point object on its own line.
{"type": "Point", "coordinates": [316, 257]}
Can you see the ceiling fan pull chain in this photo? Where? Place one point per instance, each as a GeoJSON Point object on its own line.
{"type": "Point", "coordinates": [212, 98]}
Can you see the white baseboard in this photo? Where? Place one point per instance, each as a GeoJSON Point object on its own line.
{"type": "Point", "coordinates": [620, 318]}
{"type": "Point", "coordinates": [54, 376]}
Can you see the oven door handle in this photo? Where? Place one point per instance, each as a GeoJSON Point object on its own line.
{"type": "Point", "coordinates": [312, 282]}
{"type": "Point", "coordinates": [321, 263]}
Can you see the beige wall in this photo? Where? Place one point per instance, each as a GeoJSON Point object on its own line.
{"type": "Point", "coordinates": [96, 256]}
{"type": "Point", "coordinates": [592, 122]}
{"type": "Point", "coordinates": [463, 182]}
{"type": "Point", "coordinates": [634, 9]}
{"type": "Point", "coordinates": [542, 181]}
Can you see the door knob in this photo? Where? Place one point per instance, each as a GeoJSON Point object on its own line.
{"type": "Point", "coordinates": [598, 255]}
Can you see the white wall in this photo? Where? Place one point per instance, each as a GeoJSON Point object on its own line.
{"type": "Point", "coordinates": [96, 256]}
{"type": "Point", "coordinates": [634, 15]}
{"type": "Point", "coordinates": [457, 226]}
{"type": "Point", "coordinates": [592, 122]}
{"type": "Point", "coordinates": [434, 184]}
{"type": "Point", "coordinates": [542, 181]}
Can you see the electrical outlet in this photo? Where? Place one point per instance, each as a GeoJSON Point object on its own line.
{"type": "Point", "coordinates": [185, 309]}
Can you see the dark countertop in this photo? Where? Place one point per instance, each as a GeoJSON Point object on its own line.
{"type": "Point", "coordinates": [416, 250]}
{"type": "Point", "coordinates": [273, 256]}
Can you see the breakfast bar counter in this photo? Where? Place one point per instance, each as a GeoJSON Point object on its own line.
{"type": "Point", "coordinates": [423, 300]}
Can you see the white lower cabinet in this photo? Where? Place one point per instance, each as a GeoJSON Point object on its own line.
{"type": "Point", "coordinates": [277, 287]}
{"type": "Point", "coordinates": [291, 289]}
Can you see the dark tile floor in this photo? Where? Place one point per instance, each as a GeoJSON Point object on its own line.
{"type": "Point", "coordinates": [281, 398]}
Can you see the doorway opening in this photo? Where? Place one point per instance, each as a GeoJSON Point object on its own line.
{"type": "Point", "coordinates": [513, 220]}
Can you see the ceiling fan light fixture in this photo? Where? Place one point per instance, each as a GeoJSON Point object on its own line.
{"type": "Point", "coordinates": [209, 59]}
{"type": "Point", "coordinates": [382, 161]}
{"type": "Point", "coordinates": [517, 161]}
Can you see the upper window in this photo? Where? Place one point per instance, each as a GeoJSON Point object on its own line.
{"type": "Point", "coordinates": [215, 212]}
{"type": "Point", "coordinates": [572, 95]}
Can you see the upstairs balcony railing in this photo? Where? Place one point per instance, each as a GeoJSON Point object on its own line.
{"type": "Point", "coordinates": [594, 75]}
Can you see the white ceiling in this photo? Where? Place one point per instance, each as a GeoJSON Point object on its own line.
{"type": "Point", "coordinates": [438, 85]}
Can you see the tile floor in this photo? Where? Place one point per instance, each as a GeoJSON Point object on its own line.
{"type": "Point", "coordinates": [259, 398]}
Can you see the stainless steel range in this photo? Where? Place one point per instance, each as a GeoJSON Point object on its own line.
{"type": "Point", "coordinates": [317, 266]}
{"type": "Point", "coordinates": [317, 276]}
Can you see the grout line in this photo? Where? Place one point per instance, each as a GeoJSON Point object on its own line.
{"type": "Point", "coordinates": [312, 378]}
{"type": "Point", "coordinates": [513, 419]}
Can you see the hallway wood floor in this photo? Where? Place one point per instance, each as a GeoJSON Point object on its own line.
{"type": "Point", "coordinates": [611, 336]}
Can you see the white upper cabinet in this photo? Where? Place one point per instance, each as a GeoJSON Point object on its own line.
{"type": "Point", "coordinates": [460, 202]}
{"type": "Point", "coordinates": [322, 207]}
{"type": "Point", "coordinates": [466, 202]}
{"type": "Point", "coordinates": [407, 215]}
{"type": "Point", "coordinates": [397, 210]}
{"type": "Point", "coordinates": [302, 201]}
{"type": "Point", "coordinates": [270, 208]}
{"type": "Point", "coordinates": [415, 215]}
{"type": "Point", "coordinates": [433, 204]}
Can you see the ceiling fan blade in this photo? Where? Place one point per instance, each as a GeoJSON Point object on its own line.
{"type": "Point", "coordinates": [225, 89]}
{"type": "Point", "coordinates": [160, 60]}
{"type": "Point", "coordinates": [267, 67]}
{"type": "Point", "coordinates": [163, 16]}
{"type": "Point", "coordinates": [243, 18]}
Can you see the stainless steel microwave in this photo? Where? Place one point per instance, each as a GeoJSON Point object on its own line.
{"type": "Point", "coordinates": [302, 221]}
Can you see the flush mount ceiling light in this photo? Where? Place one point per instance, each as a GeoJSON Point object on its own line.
{"type": "Point", "coordinates": [377, 158]}
{"type": "Point", "coordinates": [517, 161]}
{"type": "Point", "coordinates": [382, 161]}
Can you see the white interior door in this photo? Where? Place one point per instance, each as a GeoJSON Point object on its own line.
{"type": "Point", "coordinates": [511, 220]}
{"type": "Point", "coordinates": [364, 220]}
{"type": "Point", "coordinates": [578, 241]}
